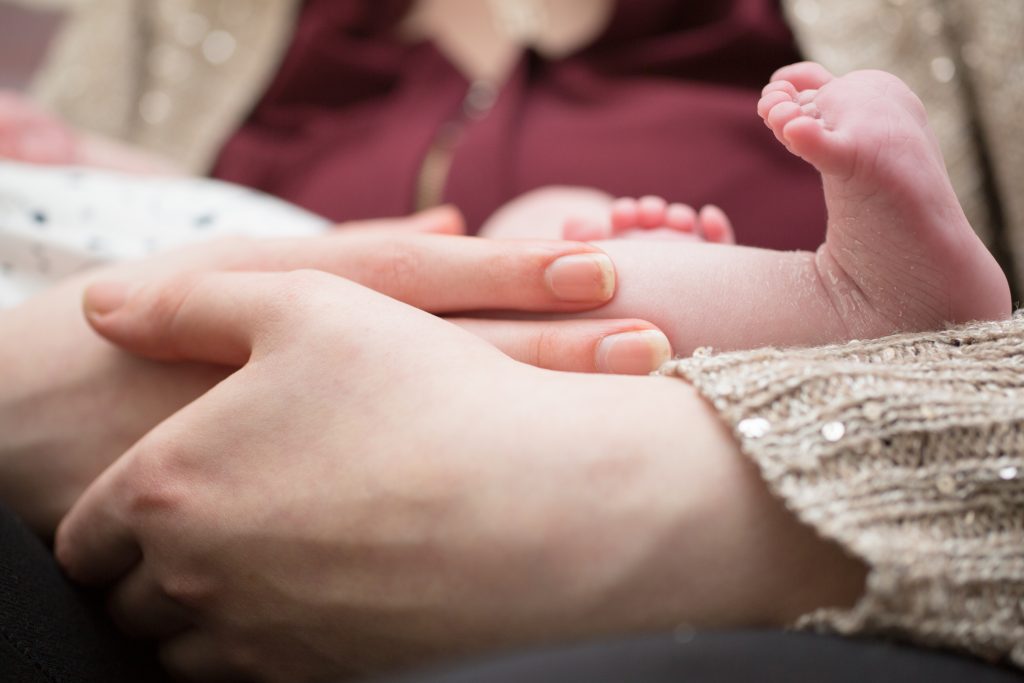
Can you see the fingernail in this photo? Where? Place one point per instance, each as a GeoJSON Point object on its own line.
{"type": "Point", "coordinates": [582, 278]}
{"type": "Point", "coordinates": [633, 353]}
{"type": "Point", "coordinates": [105, 297]}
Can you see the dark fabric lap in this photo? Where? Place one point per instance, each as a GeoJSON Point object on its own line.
{"type": "Point", "coordinates": [51, 632]}
{"type": "Point", "coordinates": [741, 657]}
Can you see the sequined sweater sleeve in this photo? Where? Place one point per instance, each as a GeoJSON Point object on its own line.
{"type": "Point", "coordinates": [908, 452]}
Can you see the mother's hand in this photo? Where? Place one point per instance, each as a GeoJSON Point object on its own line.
{"type": "Point", "coordinates": [376, 487]}
{"type": "Point", "coordinates": [70, 403]}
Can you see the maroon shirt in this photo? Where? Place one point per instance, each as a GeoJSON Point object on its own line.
{"type": "Point", "coordinates": [662, 103]}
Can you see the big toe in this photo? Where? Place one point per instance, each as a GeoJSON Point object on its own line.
{"type": "Point", "coordinates": [827, 150]}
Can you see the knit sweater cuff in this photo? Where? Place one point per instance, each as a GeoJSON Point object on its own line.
{"type": "Point", "coordinates": [909, 453]}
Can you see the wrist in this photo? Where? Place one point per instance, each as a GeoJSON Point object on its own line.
{"type": "Point", "coordinates": [657, 519]}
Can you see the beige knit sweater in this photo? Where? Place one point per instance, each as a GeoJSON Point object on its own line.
{"type": "Point", "coordinates": [908, 452]}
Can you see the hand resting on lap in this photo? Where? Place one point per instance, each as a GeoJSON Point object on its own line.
{"type": "Point", "coordinates": [71, 403]}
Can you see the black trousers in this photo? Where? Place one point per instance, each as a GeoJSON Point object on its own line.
{"type": "Point", "coordinates": [743, 657]}
{"type": "Point", "coordinates": [51, 632]}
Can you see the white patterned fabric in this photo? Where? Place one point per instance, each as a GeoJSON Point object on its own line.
{"type": "Point", "coordinates": [55, 222]}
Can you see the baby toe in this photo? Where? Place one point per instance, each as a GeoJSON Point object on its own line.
{"type": "Point", "coordinates": [806, 96]}
{"type": "Point", "coordinates": [829, 151]}
{"type": "Point", "coordinates": [781, 115]}
{"type": "Point", "coordinates": [779, 86]}
{"type": "Point", "coordinates": [804, 75]}
{"type": "Point", "coordinates": [769, 100]}
{"type": "Point", "coordinates": [810, 109]}
{"type": "Point", "coordinates": [716, 226]}
{"type": "Point", "coordinates": [681, 217]}
{"type": "Point", "coordinates": [651, 211]}
{"type": "Point", "coordinates": [624, 214]}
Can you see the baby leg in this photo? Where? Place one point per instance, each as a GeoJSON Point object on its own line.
{"type": "Point", "coordinates": [899, 253]}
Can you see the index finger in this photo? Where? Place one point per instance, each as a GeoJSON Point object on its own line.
{"type": "Point", "coordinates": [217, 318]}
{"type": "Point", "coordinates": [94, 543]}
{"type": "Point", "coordinates": [212, 317]}
{"type": "Point", "coordinates": [449, 273]}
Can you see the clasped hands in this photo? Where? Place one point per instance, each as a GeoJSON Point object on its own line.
{"type": "Point", "coordinates": [323, 361]}
{"type": "Point", "coordinates": [371, 486]}
{"type": "Point", "coordinates": [71, 403]}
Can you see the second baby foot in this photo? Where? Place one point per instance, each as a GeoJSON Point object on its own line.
{"type": "Point", "coordinates": [31, 135]}
{"type": "Point", "coordinates": [654, 218]}
{"type": "Point", "coordinates": [899, 252]}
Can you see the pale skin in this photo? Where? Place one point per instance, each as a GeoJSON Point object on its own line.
{"type": "Point", "coordinates": [905, 278]}
{"type": "Point", "coordinates": [899, 254]}
{"type": "Point", "coordinates": [657, 546]}
{"type": "Point", "coordinates": [627, 509]}
{"type": "Point", "coordinates": [71, 403]}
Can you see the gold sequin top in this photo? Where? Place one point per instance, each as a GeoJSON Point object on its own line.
{"type": "Point", "coordinates": [907, 451]}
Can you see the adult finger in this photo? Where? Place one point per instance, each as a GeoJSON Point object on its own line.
{"type": "Point", "coordinates": [441, 220]}
{"type": "Point", "coordinates": [95, 543]}
{"type": "Point", "coordinates": [211, 317]}
{"type": "Point", "coordinates": [102, 537]}
{"type": "Point", "coordinates": [627, 347]}
{"type": "Point", "coordinates": [446, 273]}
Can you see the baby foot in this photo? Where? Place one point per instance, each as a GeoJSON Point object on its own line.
{"type": "Point", "coordinates": [899, 252]}
{"type": "Point", "coordinates": [654, 218]}
{"type": "Point", "coordinates": [30, 134]}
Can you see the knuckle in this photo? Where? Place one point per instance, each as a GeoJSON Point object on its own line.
{"type": "Point", "coordinates": [195, 593]}
{"type": "Point", "coordinates": [152, 486]}
{"type": "Point", "coordinates": [307, 280]}
{"type": "Point", "coordinates": [303, 291]}
{"type": "Point", "coordinates": [159, 305]}
{"type": "Point", "coordinates": [504, 270]}
{"type": "Point", "coordinates": [399, 273]}
{"type": "Point", "coordinates": [298, 297]}
{"type": "Point", "coordinates": [548, 349]}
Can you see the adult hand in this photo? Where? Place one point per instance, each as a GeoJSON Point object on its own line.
{"type": "Point", "coordinates": [70, 403]}
{"type": "Point", "coordinates": [376, 487]}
